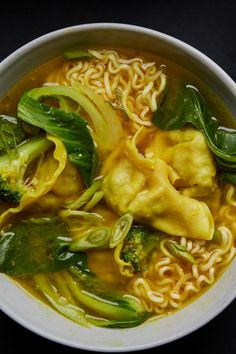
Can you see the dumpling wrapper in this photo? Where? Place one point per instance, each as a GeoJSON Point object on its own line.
{"type": "Point", "coordinates": [186, 151]}
{"type": "Point", "coordinates": [151, 197]}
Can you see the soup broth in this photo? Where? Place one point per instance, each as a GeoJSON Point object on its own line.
{"type": "Point", "coordinates": [178, 229]}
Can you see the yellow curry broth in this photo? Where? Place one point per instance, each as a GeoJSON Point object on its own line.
{"type": "Point", "coordinates": [69, 184]}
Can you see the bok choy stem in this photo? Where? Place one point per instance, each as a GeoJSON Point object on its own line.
{"type": "Point", "coordinates": [61, 304]}
{"type": "Point", "coordinates": [106, 121]}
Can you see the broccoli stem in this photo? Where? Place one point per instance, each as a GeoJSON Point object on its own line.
{"type": "Point", "coordinates": [28, 150]}
{"type": "Point", "coordinates": [13, 167]}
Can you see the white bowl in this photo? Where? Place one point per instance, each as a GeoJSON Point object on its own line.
{"type": "Point", "coordinates": [35, 315]}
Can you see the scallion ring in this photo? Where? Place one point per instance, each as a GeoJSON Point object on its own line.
{"type": "Point", "coordinates": [98, 237]}
{"type": "Point", "coordinates": [121, 229]}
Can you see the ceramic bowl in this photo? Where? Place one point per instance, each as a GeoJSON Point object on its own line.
{"type": "Point", "coordinates": [38, 317]}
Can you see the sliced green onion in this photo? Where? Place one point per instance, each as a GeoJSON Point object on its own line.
{"type": "Point", "coordinates": [90, 217]}
{"type": "Point", "coordinates": [94, 200]}
{"type": "Point", "coordinates": [85, 197]}
{"type": "Point", "coordinates": [76, 54]}
{"type": "Point", "coordinates": [121, 229]}
{"type": "Point", "coordinates": [98, 237]}
{"type": "Point", "coordinates": [180, 252]}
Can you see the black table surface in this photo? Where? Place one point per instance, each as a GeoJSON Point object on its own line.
{"type": "Point", "coordinates": [208, 26]}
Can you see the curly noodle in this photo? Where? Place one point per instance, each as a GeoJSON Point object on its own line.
{"type": "Point", "coordinates": [132, 85]}
{"type": "Point", "coordinates": [167, 283]}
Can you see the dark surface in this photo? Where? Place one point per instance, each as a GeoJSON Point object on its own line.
{"type": "Point", "coordinates": [208, 26]}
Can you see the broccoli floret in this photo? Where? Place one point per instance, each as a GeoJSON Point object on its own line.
{"type": "Point", "coordinates": [13, 166]}
{"type": "Point", "coordinates": [138, 245]}
{"type": "Point", "coordinates": [11, 133]}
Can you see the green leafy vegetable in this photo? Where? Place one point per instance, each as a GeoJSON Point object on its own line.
{"type": "Point", "coordinates": [74, 53]}
{"type": "Point", "coordinates": [32, 247]}
{"type": "Point", "coordinates": [120, 311]}
{"type": "Point", "coordinates": [116, 308]}
{"type": "Point", "coordinates": [11, 133]}
{"type": "Point", "coordinates": [13, 166]}
{"type": "Point", "coordinates": [180, 252]}
{"type": "Point", "coordinates": [70, 128]}
{"type": "Point", "coordinates": [61, 289]}
{"type": "Point", "coordinates": [86, 196]}
{"type": "Point", "coordinates": [60, 303]}
{"type": "Point", "coordinates": [36, 246]}
{"type": "Point", "coordinates": [190, 107]}
{"type": "Point", "coordinates": [106, 122]}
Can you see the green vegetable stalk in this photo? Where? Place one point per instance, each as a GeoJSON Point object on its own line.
{"type": "Point", "coordinates": [190, 107]}
{"type": "Point", "coordinates": [13, 166]}
{"type": "Point", "coordinates": [70, 128]}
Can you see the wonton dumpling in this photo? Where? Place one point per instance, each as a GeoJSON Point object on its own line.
{"type": "Point", "coordinates": [153, 200]}
{"type": "Point", "coordinates": [186, 151]}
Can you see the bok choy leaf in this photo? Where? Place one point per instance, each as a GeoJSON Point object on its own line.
{"type": "Point", "coordinates": [120, 311]}
{"type": "Point", "coordinates": [35, 246]}
{"type": "Point", "coordinates": [61, 304]}
{"type": "Point", "coordinates": [105, 121]}
{"type": "Point", "coordinates": [180, 252]}
{"type": "Point", "coordinates": [188, 106]}
{"type": "Point", "coordinates": [70, 128]}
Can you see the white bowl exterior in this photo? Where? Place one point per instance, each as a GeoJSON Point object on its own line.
{"type": "Point", "coordinates": [35, 315]}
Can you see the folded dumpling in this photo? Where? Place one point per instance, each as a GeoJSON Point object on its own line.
{"type": "Point", "coordinates": [186, 151]}
{"type": "Point", "coordinates": [150, 195]}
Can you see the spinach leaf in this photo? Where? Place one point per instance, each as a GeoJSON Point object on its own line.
{"type": "Point", "coordinates": [188, 106]}
{"type": "Point", "coordinates": [70, 128]}
{"type": "Point", "coordinates": [175, 111]}
{"type": "Point", "coordinates": [35, 246]}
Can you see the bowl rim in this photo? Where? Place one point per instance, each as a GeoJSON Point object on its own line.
{"type": "Point", "coordinates": [106, 349]}
{"type": "Point", "coordinates": [189, 50]}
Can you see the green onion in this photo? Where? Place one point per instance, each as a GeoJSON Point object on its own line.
{"type": "Point", "coordinates": [86, 196]}
{"type": "Point", "coordinates": [90, 217]}
{"type": "Point", "coordinates": [121, 229]}
{"type": "Point", "coordinates": [217, 237]}
{"type": "Point", "coordinates": [98, 237]}
{"type": "Point", "coordinates": [118, 309]}
{"type": "Point", "coordinates": [76, 54]}
{"type": "Point", "coordinates": [94, 200]}
{"type": "Point", "coordinates": [180, 252]}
